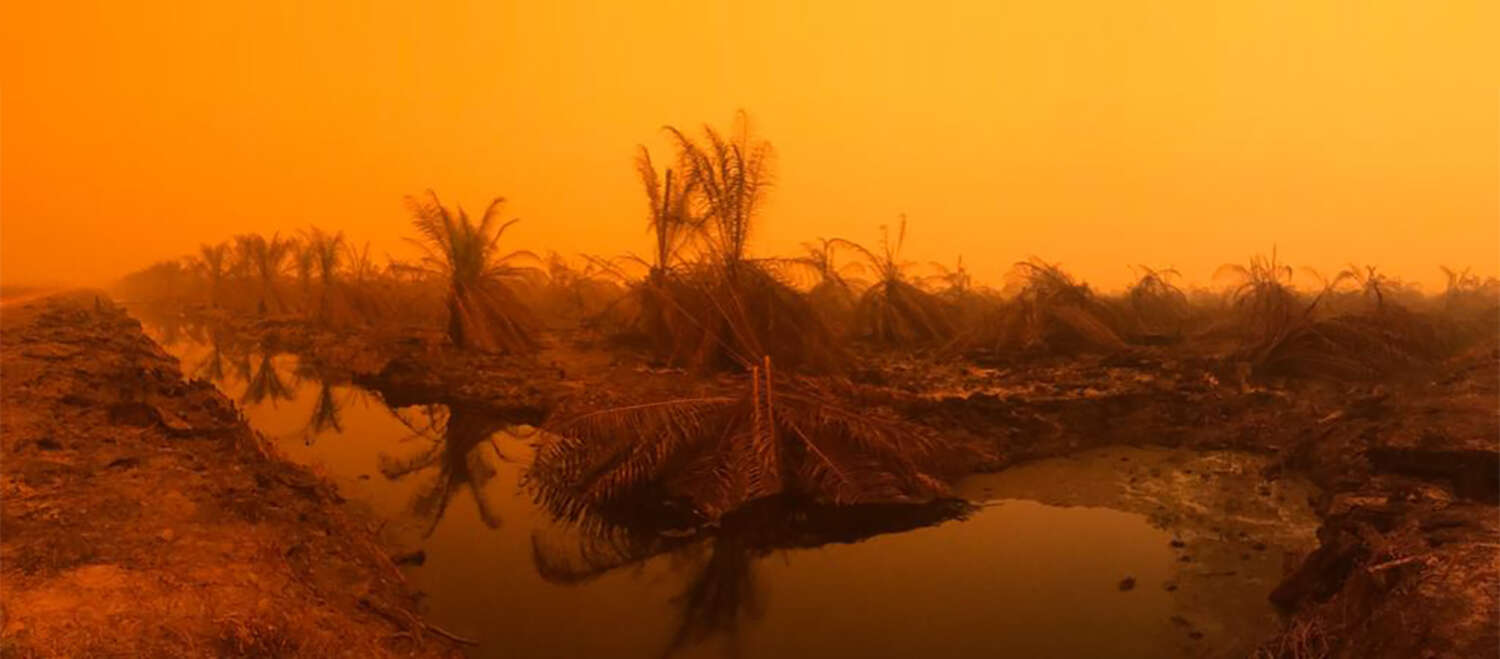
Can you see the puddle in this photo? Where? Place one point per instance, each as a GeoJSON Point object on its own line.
{"type": "Point", "coordinates": [1035, 571]}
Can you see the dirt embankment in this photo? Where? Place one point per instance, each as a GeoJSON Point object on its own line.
{"type": "Point", "coordinates": [142, 517]}
{"type": "Point", "coordinates": [1409, 557]}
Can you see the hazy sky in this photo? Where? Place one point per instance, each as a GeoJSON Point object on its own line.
{"type": "Point", "coordinates": [1098, 134]}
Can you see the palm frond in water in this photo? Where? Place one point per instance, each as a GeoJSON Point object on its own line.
{"type": "Point", "coordinates": [733, 443]}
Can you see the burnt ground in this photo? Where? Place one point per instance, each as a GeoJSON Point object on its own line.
{"type": "Point", "coordinates": [1409, 470]}
{"type": "Point", "coordinates": [141, 516]}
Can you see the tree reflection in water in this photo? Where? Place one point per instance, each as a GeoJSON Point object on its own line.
{"type": "Point", "coordinates": [453, 454]}
{"type": "Point", "coordinates": [721, 591]}
{"type": "Point", "coordinates": [265, 382]}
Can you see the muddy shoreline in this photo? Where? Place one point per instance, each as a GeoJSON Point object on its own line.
{"type": "Point", "coordinates": [1407, 470]}
{"type": "Point", "coordinates": [143, 517]}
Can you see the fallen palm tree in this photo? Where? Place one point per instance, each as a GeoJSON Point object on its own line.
{"type": "Point", "coordinates": [1290, 337]}
{"type": "Point", "coordinates": [1049, 312]}
{"type": "Point", "coordinates": [722, 443]}
{"type": "Point", "coordinates": [264, 261]}
{"type": "Point", "coordinates": [1158, 308]}
{"type": "Point", "coordinates": [832, 293]}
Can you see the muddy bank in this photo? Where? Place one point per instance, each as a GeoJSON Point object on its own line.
{"type": "Point", "coordinates": [142, 517]}
{"type": "Point", "coordinates": [1409, 475]}
{"type": "Point", "coordinates": [1407, 558]}
{"type": "Point", "coordinates": [1038, 411]}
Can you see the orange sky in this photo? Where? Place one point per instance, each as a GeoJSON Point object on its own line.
{"type": "Point", "coordinates": [1181, 132]}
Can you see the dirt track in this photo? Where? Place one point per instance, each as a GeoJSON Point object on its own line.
{"type": "Point", "coordinates": [142, 517]}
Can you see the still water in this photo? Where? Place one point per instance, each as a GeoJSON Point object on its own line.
{"type": "Point", "coordinates": [1111, 553]}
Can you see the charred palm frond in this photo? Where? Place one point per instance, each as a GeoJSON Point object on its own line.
{"type": "Point", "coordinates": [1373, 284]}
{"type": "Point", "coordinates": [1160, 308]}
{"type": "Point", "coordinates": [1263, 295]}
{"type": "Point", "coordinates": [483, 310]}
{"type": "Point", "coordinates": [648, 313]}
{"type": "Point", "coordinates": [1349, 347]}
{"type": "Point", "coordinates": [832, 293]}
{"type": "Point", "coordinates": [728, 310]}
{"type": "Point", "coordinates": [575, 294]}
{"type": "Point", "coordinates": [1466, 292]}
{"type": "Point", "coordinates": [669, 198]}
{"type": "Point", "coordinates": [729, 321]}
{"type": "Point", "coordinates": [1051, 312]}
{"type": "Point", "coordinates": [730, 442]}
{"type": "Point", "coordinates": [729, 175]}
{"type": "Point", "coordinates": [326, 251]}
{"type": "Point", "coordinates": [893, 310]}
{"type": "Point", "coordinates": [953, 283]}
{"type": "Point", "coordinates": [460, 463]}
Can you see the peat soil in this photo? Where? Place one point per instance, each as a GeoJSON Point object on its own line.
{"type": "Point", "coordinates": [1408, 471]}
{"type": "Point", "coordinates": [141, 516]}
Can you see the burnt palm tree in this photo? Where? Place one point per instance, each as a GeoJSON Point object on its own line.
{"type": "Point", "coordinates": [327, 251]}
{"type": "Point", "coordinates": [303, 263]}
{"type": "Point", "coordinates": [894, 310]}
{"type": "Point", "coordinates": [730, 310]}
{"type": "Point", "coordinates": [483, 310]}
{"type": "Point", "coordinates": [1056, 312]}
{"type": "Point", "coordinates": [955, 282]}
{"type": "Point", "coordinates": [213, 263]}
{"type": "Point", "coordinates": [832, 294]}
{"type": "Point", "coordinates": [1262, 292]}
{"type": "Point", "coordinates": [1373, 284]}
{"type": "Point", "coordinates": [1159, 305]}
{"type": "Point", "coordinates": [730, 174]}
{"type": "Point", "coordinates": [264, 260]}
{"type": "Point", "coordinates": [669, 208]}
